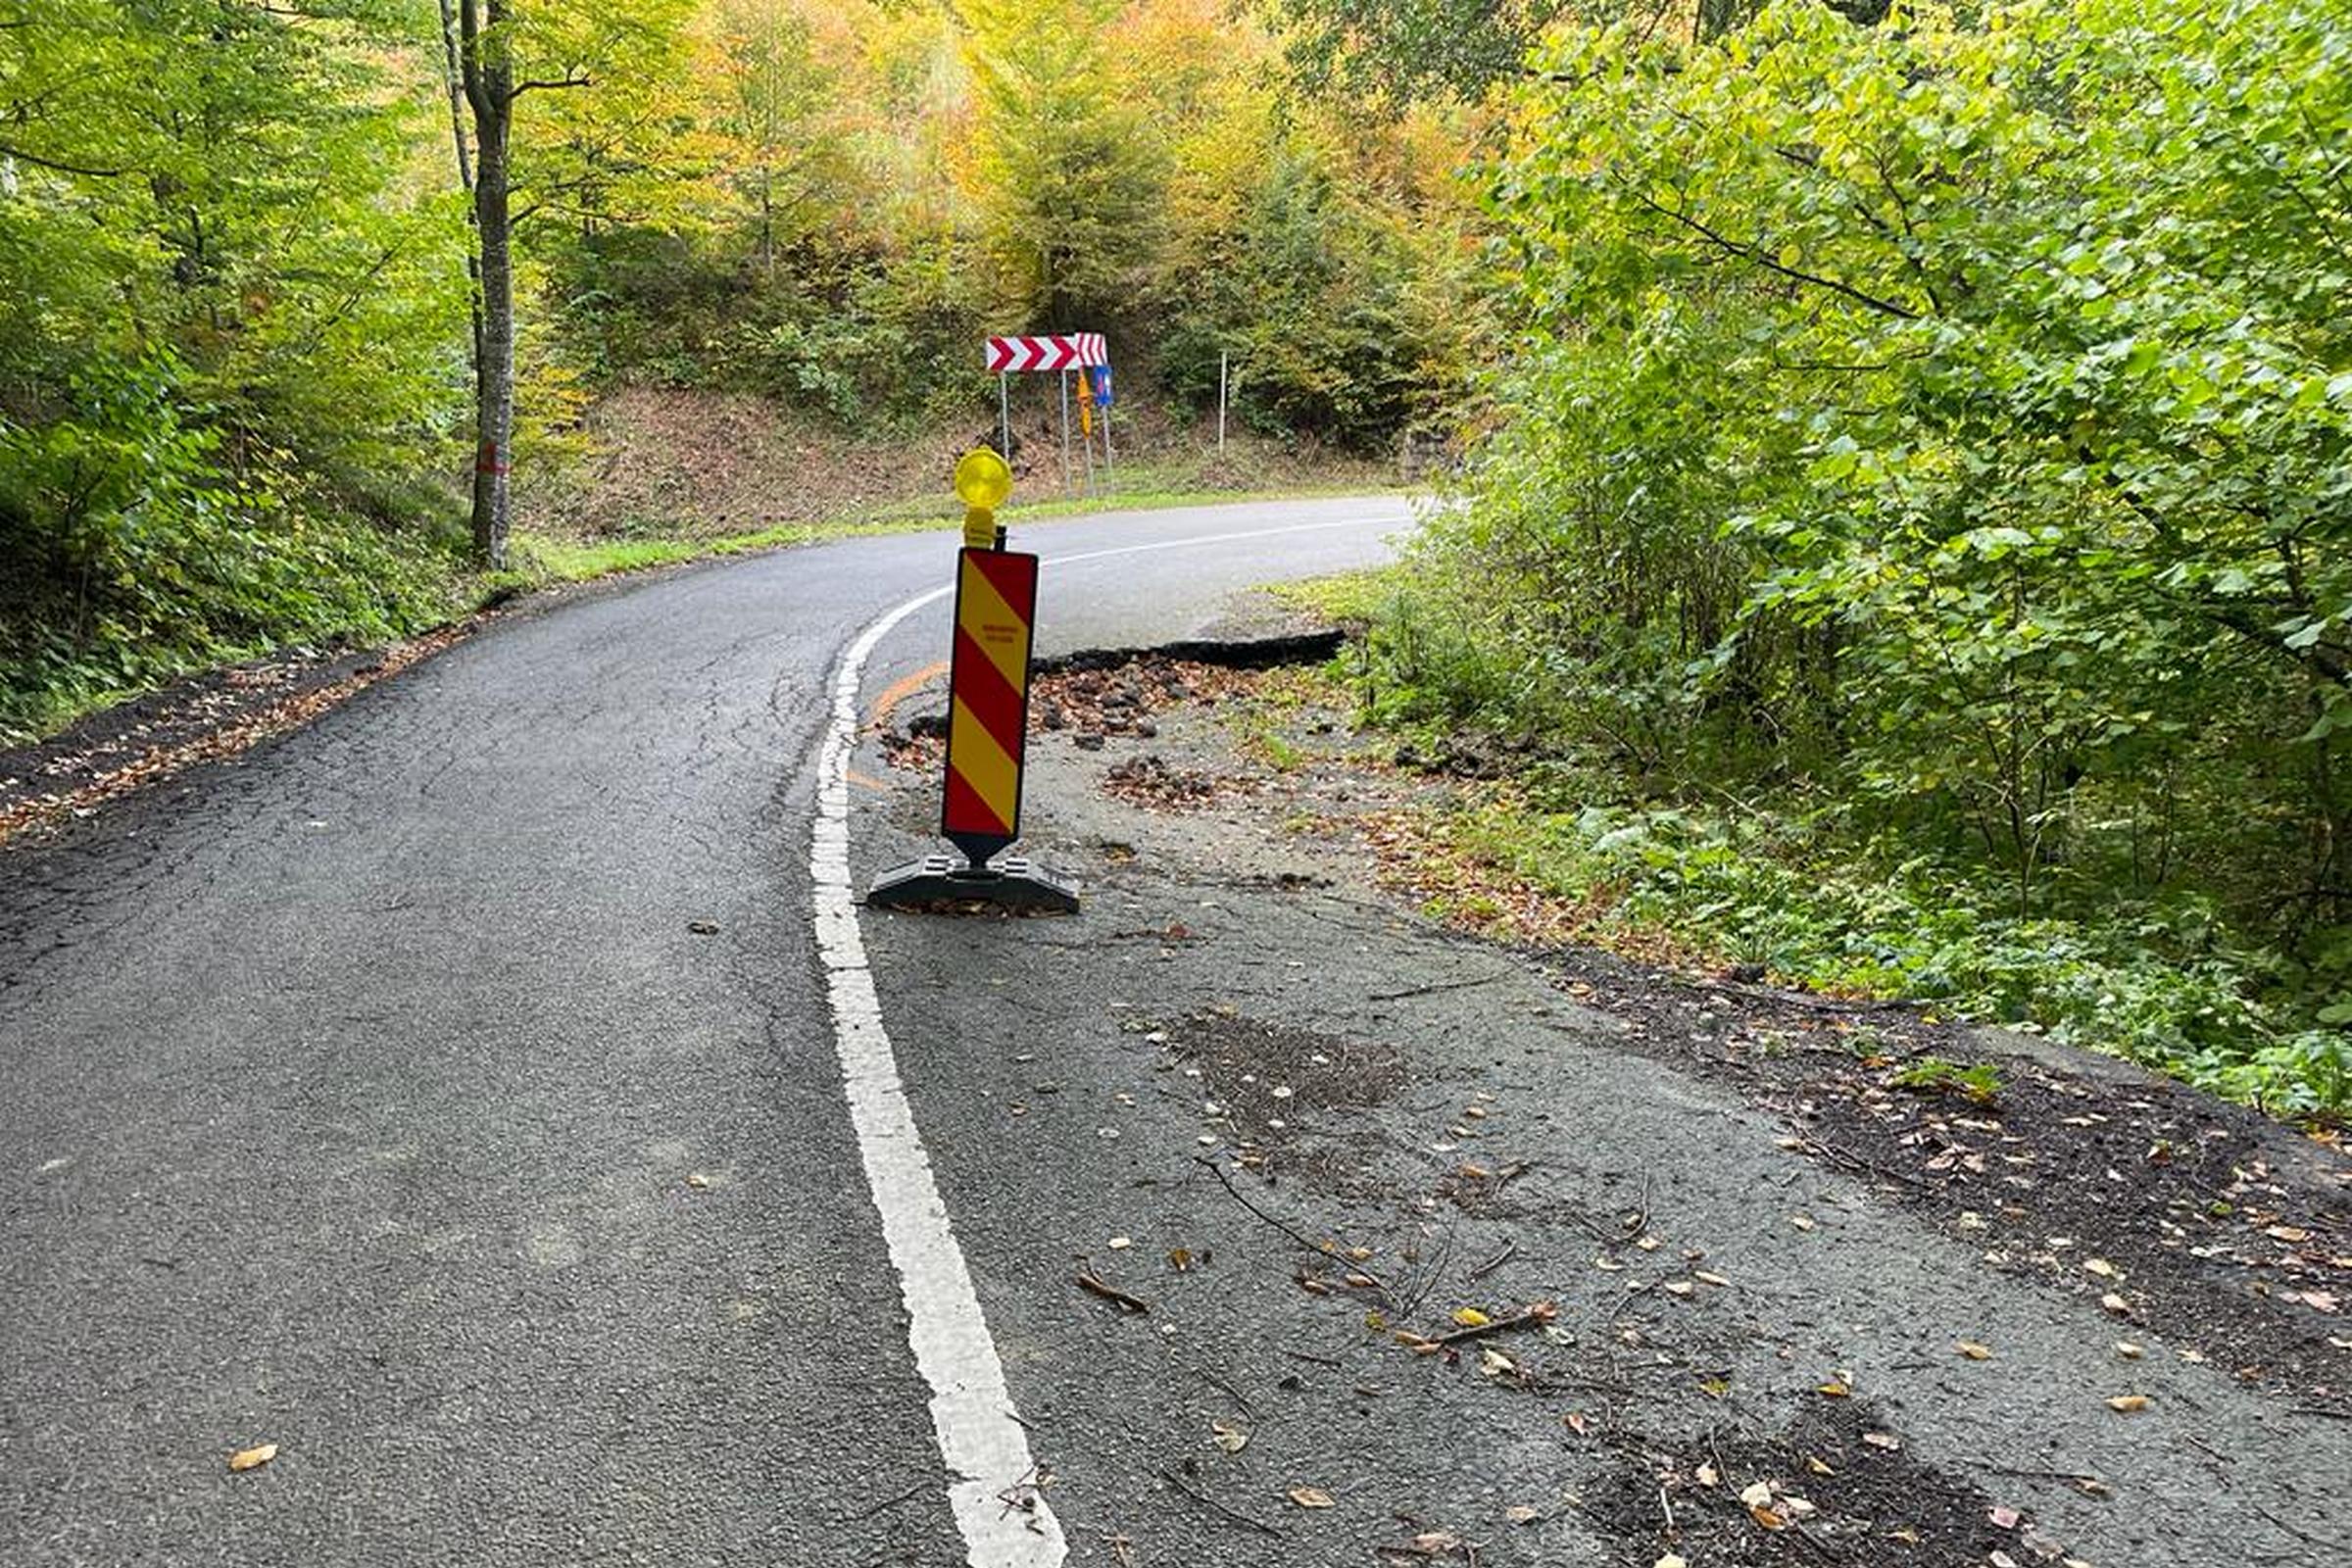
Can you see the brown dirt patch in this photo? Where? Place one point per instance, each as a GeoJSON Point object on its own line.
{"type": "Point", "coordinates": [1267, 1080]}
{"type": "Point", "coordinates": [1857, 1501]}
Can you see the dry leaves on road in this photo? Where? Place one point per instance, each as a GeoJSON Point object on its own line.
{"type": "Point", "coordinates": [253, 1458]}
{"type": "Point", "coordinates": [1310, 1498]}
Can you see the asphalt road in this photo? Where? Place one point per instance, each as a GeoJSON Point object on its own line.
{"type": "Point", "coordinates": [377, 1097]}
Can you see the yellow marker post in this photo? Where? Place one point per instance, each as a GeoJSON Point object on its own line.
{"type": "Point", "coordinates": [983, 480]}
{"type": "Point", "coordinates": [988, 692]}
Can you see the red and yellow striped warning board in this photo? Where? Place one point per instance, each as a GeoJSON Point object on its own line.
{"type": "Point", "coordinates": [988, 685]}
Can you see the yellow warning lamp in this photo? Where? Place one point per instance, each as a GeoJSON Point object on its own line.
{"type": "Point", "coordinates": [982, 482]}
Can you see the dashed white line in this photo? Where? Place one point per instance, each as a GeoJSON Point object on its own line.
{"type": "Point", "coordinates": [980, 1434]}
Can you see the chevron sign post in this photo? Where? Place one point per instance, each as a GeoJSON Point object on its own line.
{"type": "Point", "coordinates": [1016, 355]}
{"type": "Point", "coordinates": [1059, 354]}
{"type": "Point", "coordinates": [988, 722]}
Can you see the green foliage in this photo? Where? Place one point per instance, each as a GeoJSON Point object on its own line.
{"type": "Point", "coordinates": [229, 336]}
{"type": "Point", "coordinates": [1942, 430]}
{"type": "Point", "coordinates": [1390, 51]}
{"type": "Point", "coordinates": [1980, 1083]}
{"type": "Point", "coordinates": [1066, 172]}
{"type": "Point", "coordinates": [2164, 982]}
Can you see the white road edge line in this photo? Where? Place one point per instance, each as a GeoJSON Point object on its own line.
{"type": "Point", "coordinates": [980, 1436]}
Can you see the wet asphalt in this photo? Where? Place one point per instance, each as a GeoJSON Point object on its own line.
{"type": "Point", "coordinates": [444, 1093]}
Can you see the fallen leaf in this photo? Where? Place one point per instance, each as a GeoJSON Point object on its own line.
{"type": "Point", "coordinates": [2115, 1304]}
{"type": "Point", "coordinates": [245, 1460]}
{"type": "Point", "coordinates": [1833, 1389]}
{"type": "Point", "coordinates": [1493, 1363]}
{"type": "Point", "coordinates": [1121, 1244]}
{"type": "Point", "coordinates": [1470, 1317]}
{"type": "Point", "coordinates": [2127, 1351]}
{"type": "Point", "coordinates": [2003, 1518]}
{"type": "Point", "coordinates": [1180, 1258]}
{"type": "Point", "coordinates": [1576, 1422]}
{"type": "Point", "coordinates": [1756, 1495]}
{"type": "Point", "coordinates": [1705, 1278]}
{"type": "Point", "coordinates": [2099, 1266]}
{"type": "Point", "coordinates": [1670, 1560]}
{"type": "Point", "coordinates": [1310, 1498]}
{"type": "Point", "coordinates": [1768, 1519]}
{"type": "Point", "coordinates": [1975, 1351]}
{"type": "Point", "coordinates": [2129, 1404]}
{"type": "Point", "coordinates": [1882, 1440]}
{"type": "Point", "coordinates": [1707, 1476]}
{"type": "Point", "coordinates": [1816, 1467]}
{"type": "Point", "coordinates": [1803, 1222]}
{"type": "Point", "coordinates": [1796, 1507]}
{"type": "Point", "coordinates": [2286, 1233]}
{"type": "Point", "coordinates": [1232, 1438]}
{"type": "Point", "coordinates": [1436, 1542]}
{"type": "Point", "coordinates": [1519, 1513]}
{"type": "Point", "coordinates": [2320, 1301]}
{"type": "Point", "coordinates": [697, 1180]}
{"type": "Point", "coordinates": [1680, 1288]}
{"type": "Point", "coordinates": [1363, 1281]}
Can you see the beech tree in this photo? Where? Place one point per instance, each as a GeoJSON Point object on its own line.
{"type": "Point", "coordinates": [627, 54]}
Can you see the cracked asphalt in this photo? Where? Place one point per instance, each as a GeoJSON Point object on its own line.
{"type": "Point", "coordinates": [1238, 986]}
{"type": "Point", "coordinates": [445, 1094]}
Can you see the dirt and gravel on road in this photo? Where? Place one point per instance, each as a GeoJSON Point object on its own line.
{"type": "Point", "coordinates": [1435, 1247]}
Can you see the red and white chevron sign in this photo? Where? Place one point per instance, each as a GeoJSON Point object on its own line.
{"type": "Point", "coordinates": [1060, 353]}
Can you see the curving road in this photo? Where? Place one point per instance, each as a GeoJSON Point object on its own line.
{"type": "Point", "coordinates": [375, 1096]}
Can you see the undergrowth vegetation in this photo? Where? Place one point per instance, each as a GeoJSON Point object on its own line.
{"type": "Point", "coordinates": [1917, 531]}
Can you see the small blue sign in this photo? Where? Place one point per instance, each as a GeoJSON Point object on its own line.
{"type": "Point", "coordinates": [1101, 386]}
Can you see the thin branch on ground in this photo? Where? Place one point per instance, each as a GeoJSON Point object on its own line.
{"type": "Point", "coordinates": [1214, 1506]}
{"type": "Point", "coordinates": [1111, 1293]}
{"type": "Point", "coordinates": [1316, 1248]}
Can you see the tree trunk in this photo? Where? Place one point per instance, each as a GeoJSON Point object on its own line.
{"type": "Point", "coordinates": [494, 373]}
{"type": "Point", "coordinates": [487, 63]}
{"type": "Point", "coordinates": [453, 63]}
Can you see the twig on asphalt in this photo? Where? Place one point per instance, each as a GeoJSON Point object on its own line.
{"type": "Point", "coordinates": [1510, 1250]}
{"type": "Point", "coordinates": [1214, 1506]}
{"type": "Point", "coordinates": [1111, 1293]}
{"type": "Point", "coordinates": [1627, 1229]}
{"type": "Point", "coordinates": [1534, 1316]}
{"type": "Point", "coordinates": [918, 1489]}
{"type": "Point", "coordinates": [1309, 1355]}
{"type": "Point", "coordinates": [1317, 1247]}
{"type": "Point", "coordinates": [2073, 1478]}
{"type": "Point", "coordinates": [1437, 986]}
{"type": "Point", "coordinates": [1211, 1378]}
{"type": "Point", "coordinates": [1854, 1161]}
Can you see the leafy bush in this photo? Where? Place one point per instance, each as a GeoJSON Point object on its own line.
{"type": "Point", "coordinates": [1938, 434]}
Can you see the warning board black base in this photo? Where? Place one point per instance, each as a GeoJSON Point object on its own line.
{"type": "Point", "coordinates": [940, 880]}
